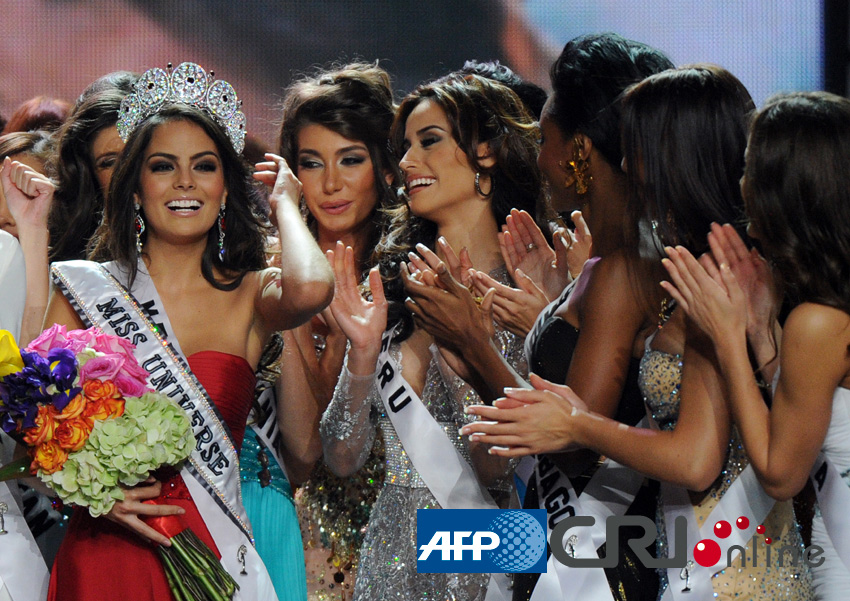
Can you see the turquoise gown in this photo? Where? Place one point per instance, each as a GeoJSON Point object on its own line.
{"type": "Point", "coordinates": [273, 519]}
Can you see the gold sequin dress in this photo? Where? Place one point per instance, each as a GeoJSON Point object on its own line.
{"type": "Point", "coordinates": [660, 379]}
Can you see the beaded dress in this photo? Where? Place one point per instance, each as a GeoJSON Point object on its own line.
{"type": "Point", "coordinates": [660, 380]}
{"type": "Point", "coordinates": [387, 567]}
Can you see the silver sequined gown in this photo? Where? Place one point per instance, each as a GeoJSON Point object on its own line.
{"type": "Point", "coordinates": [387, 569]}
{"type": "Point", "coordinates": [660, 379]}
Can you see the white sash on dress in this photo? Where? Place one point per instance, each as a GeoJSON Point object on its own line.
{"type": "Point", "coordinates": [446, 473]}
{"type": "Point", "coordinates": [744, 497]}
{"type": "Point", "coordinates": [212, 472]}
{"type": "Point", "coordinates": [610, 491]}
{"type": "Point", "coordinates": [833, 499]}
{"type": "Point", "coordinates": [23, 573]}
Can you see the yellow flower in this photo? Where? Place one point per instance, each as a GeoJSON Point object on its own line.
{"type": "Point", "coordinates": [10, 355]}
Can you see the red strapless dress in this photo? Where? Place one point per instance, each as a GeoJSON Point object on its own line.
{"type": "Point", "coordinates": [101, 560]}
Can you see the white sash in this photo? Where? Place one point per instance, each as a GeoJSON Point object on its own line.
{"type": "Point", "coordinates": [444, 470]}
{"type": "Point", "coordinates": [146, 295]}
{"type": "Point", "coordinates": [446, 473]}
{"type": "Point", "coordinates": [23, 573]}
{"type": "Point", "coordinates": [268, 430]}
{"type": "Point", "coordinates": [745, 497]}
{"type": "Point", "coordinates": [610, 491]}
{"type": "Point", "coordinates": [833, 499]}
{"type": "Point", "coordinates": [212, 472]}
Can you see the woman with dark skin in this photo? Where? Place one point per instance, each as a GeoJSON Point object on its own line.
{"type": "Point", "coordinates": [591, 335]}
{"type": "Point", "coordinates": [681, 182]}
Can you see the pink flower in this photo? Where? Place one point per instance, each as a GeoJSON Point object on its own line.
{"type": "Point", "coordinates": [53, 337]}
{"type": "Point", "coordinates": [130, 386]}
{"type": "Point", "coordinates": [58, 337]}
{"type": "Point", "coordinates": [112, 344]}
{"type": "Point", "coordinates": [86, 338]}
{"type": "Point", "coordinates": [101, 368]}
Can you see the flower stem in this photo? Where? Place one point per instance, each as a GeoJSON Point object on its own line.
{"type": "Point", "coordinates": [20, 468]}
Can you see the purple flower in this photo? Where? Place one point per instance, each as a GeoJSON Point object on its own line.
{"type": "Point", "coordinates": [34, 385]}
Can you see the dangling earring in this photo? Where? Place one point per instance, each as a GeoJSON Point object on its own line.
{"type": "Point", "coordinates": [478, 185]}
{"type": "Point", "coordinates": [221, 229]}
{"type": "Point", "coordinates": [579, 167]}
{"type": "Point", "coordinates": [140, 229]}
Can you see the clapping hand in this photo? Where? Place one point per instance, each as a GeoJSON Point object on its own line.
{"type": "Point", "coordinates": [527, 421]}
{"type": "Point", "coordinates": [524, 247]}
{"type": "Point", "coordinates": [710, 295]}
{"type": "Point", "coordinates": [752, 274]}
{"type": "Point", "coordinates": [363, 321]}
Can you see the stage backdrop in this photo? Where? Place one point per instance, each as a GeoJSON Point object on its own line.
{"type": "Point", "coordinates": [56, 47]}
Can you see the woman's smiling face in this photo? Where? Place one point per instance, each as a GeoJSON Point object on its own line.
{"type": "Point", "coordinates": [181, 186]}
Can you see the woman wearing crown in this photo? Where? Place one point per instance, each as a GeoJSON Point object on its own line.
{"type": "Point", "coordinates": [185, 248]}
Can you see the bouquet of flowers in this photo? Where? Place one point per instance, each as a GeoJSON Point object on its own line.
{"type": "Point", "coordinates": [80, 403]}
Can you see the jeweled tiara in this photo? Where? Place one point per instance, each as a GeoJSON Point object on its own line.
{"type": "Point", "coordinates": [191, 85]}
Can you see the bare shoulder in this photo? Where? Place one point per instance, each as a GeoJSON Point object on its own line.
{"type": "Point", "coordinates": [814, 326]}
{"type": "Point", "coordinates": [60, 311]}
{"type": "Point", "coordinates": [608, 287]}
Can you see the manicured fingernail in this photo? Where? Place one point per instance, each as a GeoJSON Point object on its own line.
{"type": "Point", "coordinates": [474, 438]}
{"type": "Point", "coordinates": [509, 390]}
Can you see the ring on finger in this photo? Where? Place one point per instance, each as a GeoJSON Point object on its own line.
{"type": "Point", "coordinates": [530, 246]}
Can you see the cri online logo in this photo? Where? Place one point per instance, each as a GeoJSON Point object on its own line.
{"type": "Point", "coordinates": [707, 552]}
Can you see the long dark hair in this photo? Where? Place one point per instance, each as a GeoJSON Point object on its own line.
{"type": "Point", "coordinates": [684, 136]}
{"type": "Point", "coordinates": [478, 110]}
{"type": "Point", "coordinates": [587, 81]}
{"type": "Point", "coordinates": [356, 102]}
{"type": "Point", "coordinates": [78, 202]}
{"type": "Point", "coordinates": [797, 192]}
{"type": "Point", "coordinates": [115, 239]}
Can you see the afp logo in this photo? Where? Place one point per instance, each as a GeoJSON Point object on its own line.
{"type": "Point", "coordinates": [480, 541]}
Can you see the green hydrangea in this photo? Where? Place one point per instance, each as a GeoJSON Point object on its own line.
{"type": "Point", "coordinates": [153, 431]}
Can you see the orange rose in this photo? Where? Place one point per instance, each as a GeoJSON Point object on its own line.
{"type": "Point", "coordinates": [103, 409]}
{"type": "Point", "coordinates": [73, 409]}
{"type": "Point", "coordinates": [50, 457]}
{"type": "Point", "coordinates": [72, 434]}
{"type": "Point", "coordinates": [96, 390]}
{"type": "Point", "coordinates": [114, 407]}
{"type": "Point", "coordinates": [45, 424]}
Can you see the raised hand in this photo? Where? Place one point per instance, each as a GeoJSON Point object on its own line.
{"type": "Point", "coordinates": [275, 173]}
{"type": "Point", "coordinates": [127, 512]}
{"type": "Point", "coordinates": [515, 309]}
{"type": "Point", "coordinates": [710, 295]}
{"type": "Point", "coordinates": [524, 247]}
{"type": "Point", "coordinates": [751, 272]}
{"type": "Point", "coordinates": [28, 195]}
{"type": "Point", "coordinates": [527, 421]}
{"type": "Point", "coordinates": [458, 265]}
{"type": "Point", "coordinates": [362, 321]}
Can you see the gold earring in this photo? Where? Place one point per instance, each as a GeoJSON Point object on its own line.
{"type": "Point", "coordinates": [580, 167]}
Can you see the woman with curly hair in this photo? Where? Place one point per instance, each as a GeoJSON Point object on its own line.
{"type": "Point", "coordinates": [334, 132]}
{"type": "Point", "coordinates": [468, 151]}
